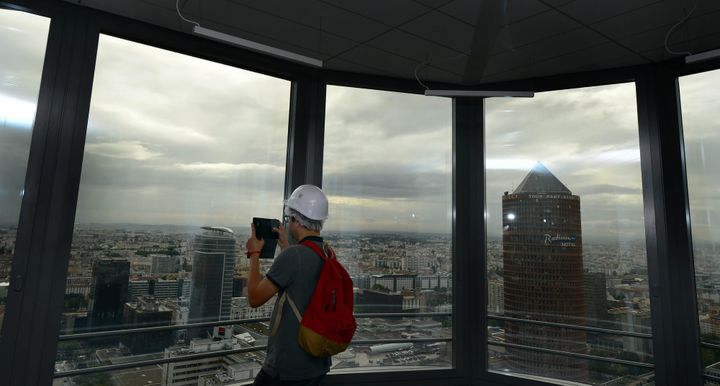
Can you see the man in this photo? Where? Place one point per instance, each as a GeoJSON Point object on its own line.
{"type": "Point", "coordinates": [296, 271]}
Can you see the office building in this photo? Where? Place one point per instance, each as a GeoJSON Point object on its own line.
{"type": "Point", "coordinates": [109, 293]}
{"type": "Point", "coordinates": [393, 282]}
{"type": "Point", "coordinates": [543, 275]}
{"type": "Point", "coordinates": [596, 305]}
{"type": "Point", "coordinates": [147, 311]}
{"type": "Point", "coordinates": [214, 255]}
{"type": "Point", "coordinates": [79, 285]}
{"type": "Point", "coordinates": [239, 286]}
{"type": "Point", "coordinates": [165, 264]}
{"type": "Point", "coordinates": [185, 372]}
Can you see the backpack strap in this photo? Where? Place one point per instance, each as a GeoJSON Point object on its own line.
{"type": "Point", "coordinates": [286, 296]}
{"type": "Point", "coordinates": [319, 251]}
{"type": "Point", "coordinates": [281, 305]}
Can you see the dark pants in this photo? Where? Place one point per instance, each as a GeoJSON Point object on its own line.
{"type": "Point", "coordinates": [264, 379]}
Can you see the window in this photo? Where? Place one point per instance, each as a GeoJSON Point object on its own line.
{"type": "Point", "coordinates": [388, 174]}
{"type": "Point", "coordinates": [23, 38]}
{"type": "Point", "coordinates": [180, 154]}
{"type": "Point", "coordinates": [700, 131]}
{"type": "Point", "coordinates": [566, 237]}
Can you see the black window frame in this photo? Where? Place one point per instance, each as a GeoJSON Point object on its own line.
{"type": "Point", "coordinates": [31, 327]}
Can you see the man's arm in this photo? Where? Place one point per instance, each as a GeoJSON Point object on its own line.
{"type": "Point", "coordinates": [259, 290]}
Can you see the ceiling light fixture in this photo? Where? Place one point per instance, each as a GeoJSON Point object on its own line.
{"type": "Point", "coordinates": [248, 44]}
{"type": "Point", "coordinates": [479, 93]}
{"type": "Point", "coordinates": [707, 55]}
{"type": "Point", "coordinates": [257, 47]}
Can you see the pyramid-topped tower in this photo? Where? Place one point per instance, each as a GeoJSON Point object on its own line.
{"type": "Point", "coordinates": [541, 180]}
{"type": "Point", "coordinates": [543, 275]}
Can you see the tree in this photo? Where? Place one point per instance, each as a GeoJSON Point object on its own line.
{"type": "Point", "coordinates": [99, 379]}
{"type": "Point", "coordinates": [75, 302]}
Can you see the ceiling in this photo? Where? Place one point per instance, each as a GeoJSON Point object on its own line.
{"type": "Point", "coordinates": [455, 41]}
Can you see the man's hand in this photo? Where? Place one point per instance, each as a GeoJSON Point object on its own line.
{"type": "Point", "coordinates": [253, 244]}
{"type": "Point", "coordinates": [282, 239]}
{"type": "Point", "coordinates": [259, 290]}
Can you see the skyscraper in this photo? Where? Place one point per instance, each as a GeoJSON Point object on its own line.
{"type": "Point", "coordinates": [212, 275]}
{"type": "Point", "coordinates": [543, 275]}
{"type": "Point", "coordinates": [147, 311]}
{"type": "Point", "coordinates": [109, 292]}
{"type": "Point", "coordinates": [596, 307]}
{"type": "Point", "coordinates": [165, 263]}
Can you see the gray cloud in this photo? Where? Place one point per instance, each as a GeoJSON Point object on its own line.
{"type": "Point", "coordinates": [388, 181]}
{"type": "Point", "coordinates": [607, 189]}
{"type": "Point", "coordinates": [393, 114]}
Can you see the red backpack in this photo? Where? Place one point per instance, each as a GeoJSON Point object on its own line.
{"type": "Point", "coordinates": [328, 325]}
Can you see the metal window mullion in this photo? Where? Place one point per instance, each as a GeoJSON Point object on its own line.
{"type": "Point", "coordinates": [671, 270]}
{"type": "Point", "coordinates": [306, 132]}
{"type": "Point", "coordinates": [470, 324]}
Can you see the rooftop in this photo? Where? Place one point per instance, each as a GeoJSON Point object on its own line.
{"type": "Point", "coordinates": [541, 180]}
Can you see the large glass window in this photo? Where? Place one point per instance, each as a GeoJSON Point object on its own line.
{"type": "Point", "coordinates": [23, 38]}
{"type": "Point", "coordinates": [700, 102]}
{"type": "Point", "coordinates": [388, 174]}
{"type": "Point", "coordinates": [566, 238]}
{"type": "Point", "coordinates": [180, 154]}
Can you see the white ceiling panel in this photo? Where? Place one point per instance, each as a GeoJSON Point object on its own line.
{"type": "Point", "coordinates": [418, 50]}
{"type": "Point", "coordinates": [557, 3]}
{"type": "Point", "coordinates": [285, 34]}
{"type": "Point", "coordinates": [443, 30]}
{"type": "Point", "coordinates": [697, 45]}
{"type": "Point", "coordinates": [644, 19]}
{"type": "Point", "coordinates": [306, 13]}
{"type": "Point", "coordinates": [468, 10]}
{"type": "Point", "coordinates": [590, 12]}
{"type": "Point", "coordinates": [503, 63]}
{"type": "Point", "coordinates": [540, 27]}
{"type": "Point", "coordinates": [583, 60]}
{"type": "Point", "coordinates": [465, 10]}
{"type": "Point", "coordinates": [520, 10]}
{"type": "Point", "coordinates": [435, 3]}
{"type": "Point", "coordinates": [392, 13]}
{"type": "Point", "coordinates": [151, 12]}
{"type": "Point", "coordinates": [509, 74]}
{"type": "Point", "coordinates": [568, 43]}
{"type": "Point", "coordinates": [389, 62]}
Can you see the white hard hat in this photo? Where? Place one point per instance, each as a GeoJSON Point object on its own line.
{"type": "Point", "coordinates": [309, 201]}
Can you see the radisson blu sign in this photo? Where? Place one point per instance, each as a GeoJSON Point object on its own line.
{"type": "Point", "coordinates": [563, 241]}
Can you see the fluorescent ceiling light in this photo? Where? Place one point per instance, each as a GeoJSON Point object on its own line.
{"type": "Point", "coordinates": [479, 93]}
{"type": "Point", "coordinates": [702, 56]}
{"type": "Point", "coordinates": [258, 47]}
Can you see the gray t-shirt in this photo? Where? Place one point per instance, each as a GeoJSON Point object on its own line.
{"type": "Point", "coordinates": [296, 271]}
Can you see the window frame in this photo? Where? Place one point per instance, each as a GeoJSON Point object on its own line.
{"type": "Point", "coordinates": [46, 219]}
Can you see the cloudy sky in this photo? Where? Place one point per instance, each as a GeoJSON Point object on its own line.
{"type": "Point", "coordinates": [178, 140]}
{"type": "Point", "coordinates": [587, 138]}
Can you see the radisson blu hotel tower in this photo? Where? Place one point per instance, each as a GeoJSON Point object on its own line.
{"type": "Point", "coordinates": [543, 264]}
